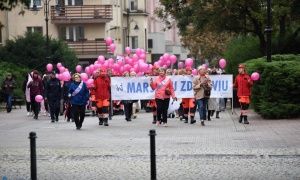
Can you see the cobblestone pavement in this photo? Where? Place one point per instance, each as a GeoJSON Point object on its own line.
{"type": "Point", "coordinates": [222, 149]}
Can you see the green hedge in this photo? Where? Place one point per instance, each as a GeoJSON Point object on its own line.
{"type": "Point", "coordinates": [276, 95]}
{"type": "Point", "coordinates": [19, 74]}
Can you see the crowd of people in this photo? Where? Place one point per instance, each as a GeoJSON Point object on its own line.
{"type": "Point", "coordinates": [72, 98]}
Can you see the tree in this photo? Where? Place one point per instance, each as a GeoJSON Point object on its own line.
{"type": "Point", "coordinates": [236, 16]}
{"type": "Point", "coordinates": [30, 50]}
{"type": "Point", "coordinates": [10, 4]}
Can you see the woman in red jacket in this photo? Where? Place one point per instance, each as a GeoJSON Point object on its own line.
{"type": "Point", "coordinates": [102, 88]}
{"type": "Point", "coordinates": [163, 87]}
{"type": "Point", "coordinates": [243, 82]}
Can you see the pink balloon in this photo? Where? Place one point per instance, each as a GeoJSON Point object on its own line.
{"type": "Point", "coordinates": [95, 73]}
{"type": "Point", "coordinates": [78, 68]}
{"type": "Point", "coordinates": [189, 62]}
{"type": "Point", "coordinates": [173, 59]}
{"type": "Point", "coordinates": [168, 63]}
{"type": "Point", "coordinates": [101, 59]}
{"type": "Point", "coordinates": [38, 98]}
{"type": "Point", "coordinates": [143, 56]}
{"type": "Point", "coordinates": [87, 70]}
{"type": "Point", "coordinates": [165, 66]}
{"type": "Point", "coordinates": [66, 76]}
{"type": "Point", "coordinates": [204, 65]}
{"type": "Point", "coordinates": [174, 71]}
{"type": "Point", "coordinates": [112, 47]}
{"type": "Point", "coordinates": [84, 77]}
{"type": "Point", "coordinates": [138, 52]}
{"type": "Point", "coordinates": [255, 76]}
{"type": "Point", "coordinates": [143, 51]}
{"type": "Point", "coordinates": [156, 64]}
{"type": "Point", "coordinates": [194, 72]}
{"type": "Point", "coordinates": [49, 67]}
{"type": "Point", "coordinates": [116, 67]}
{"type": "Point", "coordinates": [120, 62]}
{"type": "Point", "coordinates": [135, 58]}
{"type": "Point", "coordinates": [166, 57]}
{"type": "Point", "coordinates": [108, 41]}
{"type": "Point", "coordinates": [222, 63]}
{"type": "Point", "coordinates": [111, 61]}
{"type": "Point", "coordinates": [89, 82]}
{"type": "Point", "coordinates": [58, 65]}
{"type": "Point", "coordinates": [128, 50]}
{"type": "Point", "coordinates": [181, 65]}
{"type": "Point", "coordinates": [62, 69]}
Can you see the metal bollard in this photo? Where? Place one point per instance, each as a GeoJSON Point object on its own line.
{"type": "Point", "coordinates": [32, 137]}
{"type": "Point", "coordinates": [152, 135]}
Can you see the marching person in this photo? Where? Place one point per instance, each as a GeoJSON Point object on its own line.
{"type": "Point", "coordinates": [243, 82]}
{"type": "Point", "coordinates": [128, 104]}
{"type": "Point", "coordinates": [53, 95]}
{"type": "Point", "coordinates": [163, 87]}
{"type": "Point", "coordinates": [8, 85]}
{"type": "Point", "coordinates": [36, 88]}
{"type": "Point", "coordinates": [188, 104]}
{"type": "Point", "coordinates": [200, 82]}
{"type": "Point", "coordinates": [79, 95]}
{"type": "Point", "coordinates": [102, 88]}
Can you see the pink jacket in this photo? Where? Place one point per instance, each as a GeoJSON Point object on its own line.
{"type": "Point", "coordinates": [160, 91]}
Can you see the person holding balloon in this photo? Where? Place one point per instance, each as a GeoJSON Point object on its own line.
{"type": "Point", "coordinates": [79, 96]}
{"type": "Point", "coordinates": [243, 83]}
{"type": "Point", "coordinates": [36, 88]}
{"type": "Point", "coordinates": [53, 94]}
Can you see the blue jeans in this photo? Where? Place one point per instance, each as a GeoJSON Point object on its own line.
{"type": "Point", "coordinates": [202, 103]}
{"type": "Point", "coordinates": [8, 101]}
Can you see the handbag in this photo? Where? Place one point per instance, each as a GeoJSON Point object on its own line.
{"type": "Point", "coordinates": [167, 92]}
{"type": "Point", "coordinates": [207, 91]}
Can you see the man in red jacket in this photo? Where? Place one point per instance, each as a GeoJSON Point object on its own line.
{"type": "Point", "coordinates": [243, 82]}
{"type": "Point", "coordinates": [102, 88]}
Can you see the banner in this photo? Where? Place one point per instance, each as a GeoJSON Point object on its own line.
{"type": "Point", "coordinates": [132, 88]}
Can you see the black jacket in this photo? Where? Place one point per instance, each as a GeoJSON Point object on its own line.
{"type": "Point", "coordinates": [53, 89]}
{"type": "Point", "coordinates": [11, 86]}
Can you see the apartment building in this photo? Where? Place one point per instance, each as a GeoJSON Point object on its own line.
{"type": "Point", "coordinates": [85, 24]}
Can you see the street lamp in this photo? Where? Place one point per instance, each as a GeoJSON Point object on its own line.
{"type": "Point", "coordinates": [35, 10]}
{"type": "Point", "coordinates": [268, 31]}
{"type": "Point", "coordinates": [136, 27]}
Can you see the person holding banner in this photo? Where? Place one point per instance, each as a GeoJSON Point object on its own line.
{"type": "Point", "coordinates": [102, 88]}
{"type": "Point", "coordinates": [152, 102]}
{"type": "Point", "coordinates": [243, 82]}
{"type": "Point", "coordinates": [163, 87]}
{"type": "Point", "coordinates": [128, 104]}
{"type": "Point", "coordinates": [201, 82]}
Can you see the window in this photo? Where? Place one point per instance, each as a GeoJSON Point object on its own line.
{"type": "Point", "coordinates": [150, 43]}
{"type": "Point", "coordinates": [134, 42]}
{"type": "Point", "coordinates": [75, 2]}
{"type": "Point", "coordinates": [37, 2]}
{"type": "Point", "coordinates": [133, 5]}
{"type": "Point", "coordinates": [35, 29]}
{"type": "Point", "coordinates": [71, 33]}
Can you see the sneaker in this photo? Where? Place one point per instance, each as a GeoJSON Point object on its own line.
{"type": "Point", "coordinates": [28, 113]}
{"type": "Point", "coordinates": [157, 123]}
{"type": "Point", "coordinates": [44, 114]}
{"type": "Point", "coordinates": [165, 125]}
{"type": "Point", "coordinates": [49, 115]}
{"type": "Point", "coordinates": [202, 123]}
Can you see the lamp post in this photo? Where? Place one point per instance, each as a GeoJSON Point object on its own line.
{"type": "Point", "coordinates": [136, 27]}
{"type": "Point", "coordinates": [268, 31]}
{"type": "Point", "coordinates": [46, 13]}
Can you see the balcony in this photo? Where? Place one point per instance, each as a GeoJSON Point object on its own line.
{"type": "Point", "coordinates": [82, 14]}
{"type": "Point", "coordinates": [89, 47]}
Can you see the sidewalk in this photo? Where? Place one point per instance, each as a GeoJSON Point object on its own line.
{"type": "Point", "coordinates": [222, 149]}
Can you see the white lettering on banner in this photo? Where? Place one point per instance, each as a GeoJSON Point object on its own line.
{"type": "Point", "coordinates": [129, 88]}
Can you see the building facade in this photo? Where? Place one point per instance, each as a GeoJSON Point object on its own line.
{"type": "Point", "coordinates": [85, 24]}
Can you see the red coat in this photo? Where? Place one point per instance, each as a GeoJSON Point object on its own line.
{"type": "Point", "coordinates": [243, 82]}
{"type": "Point", "coordinates": [102, 87]}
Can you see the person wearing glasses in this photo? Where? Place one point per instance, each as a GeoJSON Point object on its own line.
{"type": "Point", "coordinates": [79, 95]}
